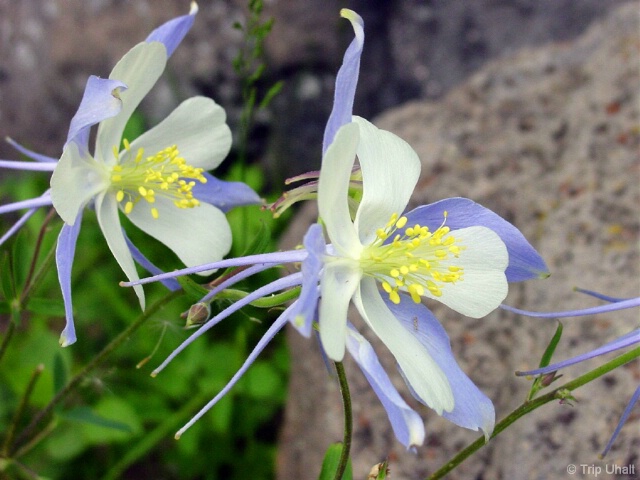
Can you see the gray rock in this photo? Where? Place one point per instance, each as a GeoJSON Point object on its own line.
{"type": "Point", "coordinates": [548, 138]}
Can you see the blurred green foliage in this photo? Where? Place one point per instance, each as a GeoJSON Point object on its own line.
{"type": "Point", "coordinates": [120, 422]}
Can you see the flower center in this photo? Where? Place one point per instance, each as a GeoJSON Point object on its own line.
{"type": "Point", "coordinates": [136, 177]}
{"type": "Point", "coordinates": [413, 259]}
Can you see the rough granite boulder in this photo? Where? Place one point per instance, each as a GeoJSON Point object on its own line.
{"type": "Point", "coordinates": [548, 138]}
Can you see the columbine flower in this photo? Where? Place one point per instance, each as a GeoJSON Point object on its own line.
{"type": "Point", "coordinates": [627, 340]}
{"type": "Point", "coordinates": [454, 251]}
{"type": "Point", "coordinates": [159, 180]}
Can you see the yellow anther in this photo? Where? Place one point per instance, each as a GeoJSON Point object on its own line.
{"type": "Point", "coordinates": [394, 297]}
{"type": "Point", "coordinates": [401, 222]}
{"type": "Point", "coordinates": [386, 286]}
{"type": "Point", "coordinates": [154, 213]}
{"type": "Point", "coordinates": [165, 173]}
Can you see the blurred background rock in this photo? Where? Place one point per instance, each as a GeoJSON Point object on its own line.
{"type": "Point", "coordinates": [414, 49]}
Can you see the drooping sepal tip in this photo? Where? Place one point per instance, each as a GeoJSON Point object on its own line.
{"type": "Point", "coordinates": [356, 22]}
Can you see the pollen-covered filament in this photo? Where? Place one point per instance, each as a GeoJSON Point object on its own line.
{"type": "Point", "coordinates": [136, 177]}
{"type": "Point", "coordinates": [414, 260]}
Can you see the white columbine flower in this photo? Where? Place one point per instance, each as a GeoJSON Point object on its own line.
{"type": "Point", "coordinates": [159, 180]}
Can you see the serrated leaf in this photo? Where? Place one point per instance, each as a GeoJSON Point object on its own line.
{"type": "Point", "coordinates": [330, 464]}
{"type": "Point", "coordinates": [86, 415]}
{"type": "Point", "coordinates": [46, 306]}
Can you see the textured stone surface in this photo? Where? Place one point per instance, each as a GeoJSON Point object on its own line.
{"type": "Point", "coordinates": [414, 48]}
{"type": "Point", "coordinates": [548, 138]}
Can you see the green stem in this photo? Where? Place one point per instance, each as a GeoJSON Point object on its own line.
{"type": "Point", "coordinates": [97, 360]}
{"type": "Point", "coordinates": [36, 251]}
{"type": "Point", "coordinates": [7, 338]}
{"type": "Point", "coordinates": [348, 421]}
{"type": "Point", "coordinates": [556, 394]}
{"type": "Point", "coordinates": [20, 410]}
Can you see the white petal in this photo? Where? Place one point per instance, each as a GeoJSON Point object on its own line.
{"type": "Point", "coordinates": [139, 69]}
{"type": "Point", "coordinates": [75, 181]}
{"type": "Point", "coordinates": [484, 284]}
{"type": "Point", "coordinates": [339, 281]}
{"type": "Point", "coordinates": [333, 189]}
{"type": "Point", "coordinates": [197, 126]}
{"type": "Point", "coordinates": [421, 371]}
{"type": "Point", "coordinates": [107, 213]}
{"type": "Point", "coordinates": [390, 171]}
{"type": "Point", "coordinates": [197, 235]}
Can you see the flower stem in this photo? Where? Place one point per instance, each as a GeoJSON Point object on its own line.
{"type": "Point", "coordinates": [35, 375]}
{"type": "Point", "coordinates": [36, 252]}
{"type": "Point", "coordinates": [348, 421]}
{"type": "Point", "coordinates": [97, 360]}
{"type": "Point", "coordinates": [559, 393]}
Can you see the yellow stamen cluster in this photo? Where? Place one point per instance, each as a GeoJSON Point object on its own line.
{"type": "Point", "coordinates": [165, 173]}
{"type": "Point", "coordinates": [413, 260]}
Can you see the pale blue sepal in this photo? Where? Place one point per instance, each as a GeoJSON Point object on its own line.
{"type": "Point", "coordinates": [28, 166]}
{"type": "Point", "coordinates": [304, 310]}
{"type": "Point", "coordinates": [225, 195]}
{"type": "Point", "coordinates": [172, 32]}
{"type": "Point", "coordinates": [609, 307]}
{"type": "Point", "coordinates": [407, 425]}
{"type": "Point", "coordinates": [631, 338]}
{"type": "Point", "coordinates": [41, 201]}
{"type": "Point", "coordinates": [264, 341]}
{"type": "Point", "coordinates": [277, 285]}
{"type": "Point", "coordinates": [171, 283]}
{"type": "Point", "coordinates": [346, 81]}
{"type": "Point", "coordinates": [472, 409]}
{"type": "Point", "coordinates": [101, 100]}
{"type": "Point", "coordinates": [18, 225]}
{"type": "Point", "coordinates": [627, 411]}
{"type": "Point", "coordinates": [65, 252]}
{"type": "Point", "coordinates": [524, 261]}
{"type": "Point", "coordinates": [38, 157]}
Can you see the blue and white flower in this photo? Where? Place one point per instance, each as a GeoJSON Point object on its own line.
{"type": "Point", "coordinates": [385, 262]}
{"type": "Point", "coordinates": [159, 180]}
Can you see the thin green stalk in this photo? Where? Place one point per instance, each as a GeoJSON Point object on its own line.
{"type": "Point", "coordinates": [559, 393]}
{"type": "Point", "coordinates": [20, 410]}
{"type": "Point", "coordinates": [348, 421]}
{"type": "Point", "coordinates": [37, 248]}
{"type": "Point", "coordinates": [97, 360]}
{"type": "Point", "coordinates": [7, 338]}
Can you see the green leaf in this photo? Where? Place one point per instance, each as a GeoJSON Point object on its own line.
{"type": "Point", "coordinates": [86, 415]}
{"type": "Point", "coordinates": [46, 306]}
{"type": "Point", "coordinates": [551, 348]}
{"type": "Point", "coordinates": [330, 464]}
{"type": "Point", "coordinates": [191, 288]}
{"type": "Point", "coordinates": [545, 380]}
